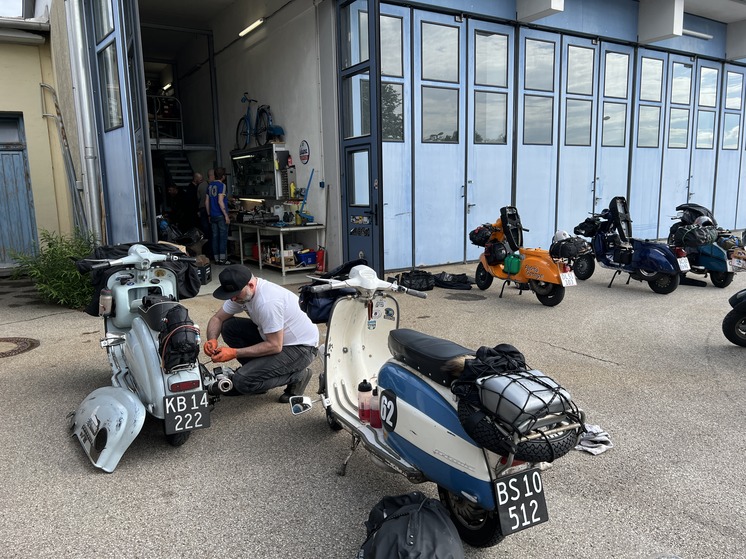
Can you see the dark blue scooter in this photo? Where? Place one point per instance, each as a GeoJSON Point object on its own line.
{"type": "Point", "coordinates": [614, 248]}
{"type": "Point", "coordinates": [734, 323]}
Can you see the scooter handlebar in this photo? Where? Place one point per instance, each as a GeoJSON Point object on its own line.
{"type": "Point", "coordinates": [414, 292]}
{"type": "Point", "coordinates": [322, 287]}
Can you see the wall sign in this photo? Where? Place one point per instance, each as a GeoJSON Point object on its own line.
{"type": "Point", "coordinates": [304, 152]}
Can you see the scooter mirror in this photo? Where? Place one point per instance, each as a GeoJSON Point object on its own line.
{"type": "Point", "coordinates": [300, 404]}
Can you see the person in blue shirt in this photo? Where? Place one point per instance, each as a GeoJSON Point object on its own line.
{"type": "Point", "coordinates": [215, 202]}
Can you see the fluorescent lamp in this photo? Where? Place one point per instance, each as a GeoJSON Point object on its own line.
{"type": "Point", "coordinates": [251, 27]}
{"type": "Point", "coordinates": [167, 86]}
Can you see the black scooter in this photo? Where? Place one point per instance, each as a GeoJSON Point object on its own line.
{"type": "Point", "coordinates": [734, 323]}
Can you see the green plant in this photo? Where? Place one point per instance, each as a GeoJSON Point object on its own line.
{"type": "Point", "coordinates": [53, 271]}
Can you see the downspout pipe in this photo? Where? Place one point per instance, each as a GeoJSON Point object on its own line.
{"type": "Point", "coordinates": [86, 117]}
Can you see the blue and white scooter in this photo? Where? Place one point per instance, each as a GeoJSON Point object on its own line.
{"type": "Point", "coordinates": [488, 479]}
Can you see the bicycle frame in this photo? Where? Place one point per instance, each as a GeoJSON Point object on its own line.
{"type": "Point", "coordinates": [261, 129]}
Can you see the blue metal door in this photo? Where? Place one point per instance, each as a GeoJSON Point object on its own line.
{"type": "Point", "coordinates": [726, 199]}
{"type": "Point", "coordinates": [706, 102]}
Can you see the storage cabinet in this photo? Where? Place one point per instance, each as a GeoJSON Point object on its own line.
{"type": "Point", "coordinates": [261, 172]}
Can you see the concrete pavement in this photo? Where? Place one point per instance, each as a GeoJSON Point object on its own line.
{"type": "Point", "coordinates": [653, 370]}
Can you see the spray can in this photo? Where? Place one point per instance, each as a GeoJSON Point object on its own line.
{"type": "Point", "coordinates": [363, 401]}
{"type": "Point", "coordinates": [375, 410]}
{"type": "Point", "coordinates": [104, 302]}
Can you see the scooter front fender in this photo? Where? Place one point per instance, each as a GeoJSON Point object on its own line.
{"type": "Point", "coordinates": [106, 423]}
{"type": "Point", "coordinates": [738, 299]}
{"type": "Point", "coordinates": [713, 258]}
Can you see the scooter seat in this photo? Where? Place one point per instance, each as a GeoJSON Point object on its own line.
{"type": "Point", "coordinates": [427, 354]}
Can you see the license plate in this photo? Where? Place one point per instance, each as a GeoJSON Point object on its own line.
{"type": "Point", "coordinates": [738, 264]}
{"type": "Point", "coordinates": [684, 264]}
{"type": "Point", "coordinates": [186, 412]}
{"type": "Point", "coordinates": [568, 279]}
{"type": "Point", "coordinates": [520, 501]}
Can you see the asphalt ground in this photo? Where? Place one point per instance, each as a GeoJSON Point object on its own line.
{"type": "Point", "coordinates": [655, 371]}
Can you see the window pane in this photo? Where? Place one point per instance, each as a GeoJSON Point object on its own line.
{"type": "Point", "coordinates": [103, 22]}
{"type": "Point", "coordinates": [705, 129]}
{"type": "Point", "coordinates": [491, 59]}
{"type": "Point", "coordinates": [708, 86]}
{"type": "Point", "coordinates": [439, 114]}
{"type": "Point", "coordinates": [651, 79]}
{"type": "Point", "coordinates": [356, 90]}
{"type": "Point", "coordinates": [539, 65]}
{"type": "Point", "coordinates": [614, 125]}
{"type": "Point", "coordinates": [734, 91]}
{"type": "Point", "coordinates": [648, 127]}
{"type": "Point", "coordinates": [731, 131]}
{"type": "Point", "coordinates": [110, 95]}
{"type": "Point", "coordinates": [678, 128]}
{"type": "Point", "coordinates": [391, 46]}
{"type": "Point", "coordinates": [392, 114]}
{"type": "Point", "coordinates": [358, 181]}
{"type": "Point", "coordinates": [578, 123]}
{"type": "Point", "coordinates": [682, 83]}
{"type": "Point", "coordinates": [537, 120]}
{"type": "Point", "coordinates": [490, 118]}
{"type": "Point", "coordinates": [354, 29]}
{"type": "Point", "coordinates": [580, 70]}
{"type": "Point", "coordinates": [9, 133]}
{"type": "Point", "coordinates": [616, 75]}
{"type": "Point", "coordinates": [440, 52]}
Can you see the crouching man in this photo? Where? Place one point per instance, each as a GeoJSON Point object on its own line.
{"type": "Point", "coordinates": [275, 345]}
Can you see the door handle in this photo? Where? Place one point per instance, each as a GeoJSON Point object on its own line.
{"type": "Point", "coordinates": [374, 213]}
{"type": "Point", "coordinates": [469, 207]}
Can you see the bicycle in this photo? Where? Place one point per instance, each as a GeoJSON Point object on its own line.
{"type": "Point", "coordinates": [262, 129]}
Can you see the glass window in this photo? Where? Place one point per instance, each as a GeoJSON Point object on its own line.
{"type": "Point", "coordinates": [358, 178]}
{"type": "Point", "coordinates": [490, 118]}
{"type": "Point", "coordinates": [648, 126]}
{"type": "Point", "coordinates": [356, 91]}
{"type": "Point", "coordinates": [616, 73]}
{"type": "Point", "coordinates": [11, 8]}
{"type": "Point", "coordinates": [705, 129]}
{"type": "Point", "coordinates": [392, 112]}
{"type": "Point", "coordinates": [614, 124]}
{"type": "Point", "coordinates": [537, 120]}
{"type": "Point", "coordinates": [491, 59]}
{"type": "Point", "coordinates": [678, 128]}
{"type": "Point", "coordinates": [9, 131]}
{"type": "Point", "coordinates": [734, 90]}
{"type": "Point", "coordinates": [651, 79]}
{"type": "Point", "coordinates": [110, 94]}
{"type": "Point", "coordinates": [391, 46]}
{"type": "Point", "coordinates": [731, 130]}
{"type": "Point", "coordinates": [708, 86]}
{"type": "Point", "coordinates": [539, 65]}
{"type": "Point", "coordinates": [439, 114]}
{"type": "Point", "coordinates": [354, 29]}
{"type": "Point", "coordinates": [103, 22]}
{"type": "Point", "coordinates": [578, 122]}
{"type": "Point", "coordinates": [580, 70]}
{"type": "Point", "coordinates": [440, 52]}
{"type": "Point", "coordinates": [681, 86]}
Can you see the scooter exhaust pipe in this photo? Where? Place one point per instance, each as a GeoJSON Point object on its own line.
{"type": "Point", "coordinates": [223, 385]}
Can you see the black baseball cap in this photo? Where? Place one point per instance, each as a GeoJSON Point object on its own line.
{"type": "Point", "coordinates": [232, 280]}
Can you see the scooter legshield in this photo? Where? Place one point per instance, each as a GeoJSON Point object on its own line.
{"type": "Point", "coordinates": [106, 423]}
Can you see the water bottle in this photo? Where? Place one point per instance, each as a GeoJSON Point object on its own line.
{"type": "Point", "coordinates": [363, 401]}
{"type": "Point", "coordinates": [104, 302]}
{"type": "Point", "coordinates": [375, 410]}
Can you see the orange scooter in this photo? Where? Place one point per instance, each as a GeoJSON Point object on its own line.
{"type": "Point", "coordinates": [504, 257]}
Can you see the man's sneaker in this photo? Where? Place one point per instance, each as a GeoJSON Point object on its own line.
{"type": "Point", "coordinates": [298, 387]}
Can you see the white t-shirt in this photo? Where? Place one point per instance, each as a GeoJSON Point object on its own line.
{"type": "Point", "coordinates": [274, 308]}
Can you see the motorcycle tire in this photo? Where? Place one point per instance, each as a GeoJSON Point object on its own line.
{"type": "Point", "coordinates": [178, 439]}
{"type": "Point", "coordinates": [584, 266]}
{"type": "Point", "coordinates": [482, 277]}
{"type": "Point", "coordinates": [734, 327]}
{"type": "Point", "coordinates": [333, 424]}
{"type": "Point", "coordinates": [721, 279]}
{"type": "Point", "coordinates": [664, 283]}
{"type": "Point", "coordinates": [548, 294]}
{"type": "Point", "coordinates": [476, 526]}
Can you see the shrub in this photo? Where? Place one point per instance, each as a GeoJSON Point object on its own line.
{"type": "Point", "coordinates": [53, 271]}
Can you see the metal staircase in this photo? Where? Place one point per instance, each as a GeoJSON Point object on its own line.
{"type": "Point", "coordinates": [178, 169]}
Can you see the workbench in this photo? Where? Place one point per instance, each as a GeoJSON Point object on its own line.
{"type": "Point", "coordinates": [269, 230]}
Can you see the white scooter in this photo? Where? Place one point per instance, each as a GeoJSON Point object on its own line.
{"type": "Point", "coordinates": [488, 479]}
{"type": "Point", "coordinates": [152, 347]}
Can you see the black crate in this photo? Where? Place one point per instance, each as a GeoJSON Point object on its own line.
{"type": "Point", "coordinates": [205, 274]}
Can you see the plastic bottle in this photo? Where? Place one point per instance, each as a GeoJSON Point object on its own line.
{"type": "Point", "coordinates": [375, 410]}
{"type": "Point", "coordinates": [104, 302]}
{"type": "Point", "coordinates": [363, 400]}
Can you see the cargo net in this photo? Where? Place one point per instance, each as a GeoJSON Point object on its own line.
{"type": "Point", "coordinates": [501, 401]}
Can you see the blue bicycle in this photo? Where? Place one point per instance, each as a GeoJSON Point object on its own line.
{"type": "Point", "coordinates": [262, 129]}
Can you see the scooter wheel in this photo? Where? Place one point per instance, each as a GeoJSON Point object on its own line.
{"type": "Point", "coordinates": [664, 283]}
{"type": "Point", "coordinates": [721, 279]}
{"type": "Point", "coordinates": [333, 424]}
{"type": "Point", "coordinates": [548, 294]}
{"type": "Point", "coordinates": [178, 439]}
{"type": "Point", "coordinates": [476, 526]}
{"type": "Point", "coordinates": [734, 327]}
{"type": "Point", "coordinates": [482, 277]}
{"type": "Point", "coordinates": [584, 266]}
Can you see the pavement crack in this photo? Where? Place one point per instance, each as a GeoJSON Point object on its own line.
{"type": "Point", "coordinates": [580, 353]}
{"type": "Point", "coordinates": [36, 318]}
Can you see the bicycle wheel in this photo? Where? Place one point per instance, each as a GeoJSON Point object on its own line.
{"type": "Point", "coordinates": [242, 134]}
{"type": "Point", "coordinates": [262, 126]}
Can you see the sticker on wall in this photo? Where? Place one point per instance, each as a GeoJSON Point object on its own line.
{"type": "Point", "coordinates": [360, 219]}
{"type": "Point", "coordinates": [360, 232]}
{"type": "Point", "coordinates": [304, 152]}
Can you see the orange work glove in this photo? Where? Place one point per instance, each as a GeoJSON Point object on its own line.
{"type": "Point", "coordinates": [210, 347]}
{"type": "Point", "coordinates": [223, 354]}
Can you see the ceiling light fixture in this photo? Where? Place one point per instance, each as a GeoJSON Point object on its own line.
{"type": "Point", "coordinates": [251, 27]}
{"type": "Point", "coordinates": [167, 86]}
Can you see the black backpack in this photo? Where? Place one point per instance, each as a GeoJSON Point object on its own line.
{"type": "Point", "coordinates": [178, 343]}
{"type": "Point", "coordinates": [410, 526]}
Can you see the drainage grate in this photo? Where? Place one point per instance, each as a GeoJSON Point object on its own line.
{"type": "Point", "coordinates": [21, 345]}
